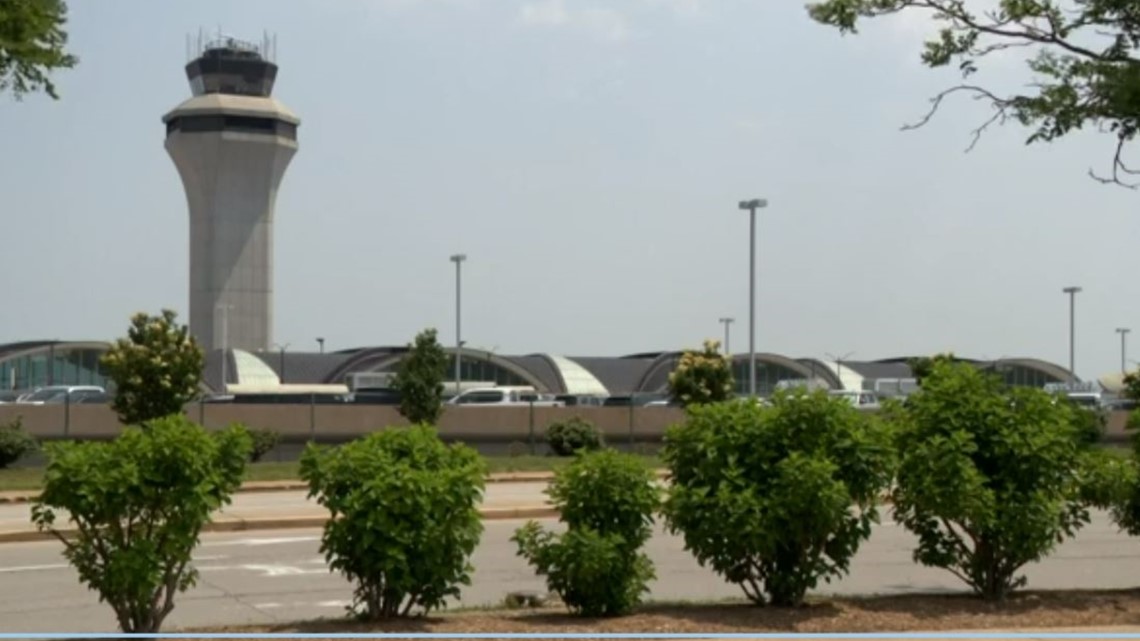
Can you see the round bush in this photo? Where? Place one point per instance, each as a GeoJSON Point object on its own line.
{"type": "Point", "coordinates": [776, 498]}
{"type": "Point", "coordinates": [607, 500]}
{"type": "Point", "coordinates": [575, 433]}
{"type": "Point", "coordinates": [263, 442]}
{"type": "Point", "coordinates": [405, 517]}
{"type": "Point", "coordinates": [15, 443]}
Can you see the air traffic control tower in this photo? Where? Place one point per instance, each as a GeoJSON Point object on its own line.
{"type": "Point", "coordinates": [231, 143]}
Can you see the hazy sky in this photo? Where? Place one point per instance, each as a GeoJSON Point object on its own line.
{"type": "Point", "coordinates": [588, 157]}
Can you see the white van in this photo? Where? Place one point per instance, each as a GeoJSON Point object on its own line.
{"type": "Point", "coordinates": [505, 395]}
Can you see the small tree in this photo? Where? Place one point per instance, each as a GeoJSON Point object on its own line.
{"type": "Point", "coordinates": [419, 379]}
{"type": "Point", "coordinates": [157, 369]}
{"type": "Point", "coordinates": [32, 39]}
{"type": "Point", "coordinates": [405, 517]}
{"type": "Point", "coordinates": [139, 504]}
{"type": "Point", "coordinates": [776, 498]}
{"type": "Point", "coordinates": [990, 477]}
{"type": "Point", "coordinates": [575, 433]}
{"type": "Point", "coordinates": [702, 377]}
{"type": "Point", "coordinates": [15, 443]}
{"type": "Point", "coordinates": [607, 501]}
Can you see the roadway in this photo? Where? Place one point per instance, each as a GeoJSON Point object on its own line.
{"type": "Point", "coordinates": [279, 576]}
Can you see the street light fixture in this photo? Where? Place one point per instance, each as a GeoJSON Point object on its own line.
{"type": "Point", "coordinates": [1123, 331]}
{"type": "Point", "coordinates": [727, 321]}
{"type": "Point", "coordinates": [458, 260]}
{"type": "Point", "coordinates": [839, 364]}
{"type": "Point", "coordinates": [225, 309]}
{"type": "Point", "coordinates": [281, 360]}
{"type": "Point", "coordinates": [1072, 292]}
{"type": "Point", "coordinates": [751, 206]}
{"type": "Point", "coordinates": [321, 342]}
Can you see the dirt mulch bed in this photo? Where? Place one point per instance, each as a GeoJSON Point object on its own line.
{"type": "Point", "coordinates": [871, 614]}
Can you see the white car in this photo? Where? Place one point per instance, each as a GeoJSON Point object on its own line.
{"type": "Point", "coordinates": [59, 394]}
{"type": "Point", "coordinates": [863, 400]}
{"type": "Point", "coordinates": [520, 395]}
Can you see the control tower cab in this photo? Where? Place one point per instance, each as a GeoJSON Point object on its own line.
{"type": "Point", "coordinates": [231, 143]}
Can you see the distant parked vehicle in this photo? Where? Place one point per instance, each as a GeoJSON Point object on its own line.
{"type": "Point", "coordinates": [60, 394]}
{"type": "Point", "coordinates": [513, 395]}
{"type": "Point", "coordinates": [863, 400]}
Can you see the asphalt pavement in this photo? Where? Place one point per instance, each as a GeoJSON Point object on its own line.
{"type": "Point", "coordinates": [280, 576]}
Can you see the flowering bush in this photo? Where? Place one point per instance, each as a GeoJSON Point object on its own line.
{"type": "Point", "coordinates": [702, 377]}
{"type": "Point", "coordinates": [157, 369]}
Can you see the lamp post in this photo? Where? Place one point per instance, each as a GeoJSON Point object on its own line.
{"type": "Point", "coordinates": [727, 321]}
{"type": "Point", "coordinates": [225, 309]}
{"type": "Point", "coordinates": [281, 360]}
{"type": "Point", "coordinates": [751, 206]}
{"type": "Point", "coordinates": [1123, 331]}
{"type": "Point", "coordinates": [839, 365]}
{"type": "Point", "coordinates": [321, 342]}
{"type": "Point", "coordinates": [458, 260]}
{"type": "Point", "coordinates": [1072, 292]}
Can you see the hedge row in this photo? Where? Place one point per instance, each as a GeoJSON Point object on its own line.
{"type": "Point", "coordinates": [775, 498]}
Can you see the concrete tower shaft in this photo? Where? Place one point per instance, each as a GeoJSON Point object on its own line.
{"type": "Point", "coordinates": [231, 144]}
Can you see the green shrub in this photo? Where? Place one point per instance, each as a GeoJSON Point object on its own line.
{"type": "Point", "coordinates": [139, 504]}
{"type": "Point", "coordinates": [776, 497]}
{"type": "Point", "coordinates": [405, 517]}
{"type": "Point", "coordinates": [157, 368]}
{"type": "Point", "coordinates": [702, 377]}
{"type": "Point", "coordinates": [990, 477]}
{"type": "Point", "coordinates": [607, 501]}
{"type": "Point", "coordinates": [517, 449]}
{"type": "Point", "coordinates": [1091, 424]}
{"type": "Point", "coordinates": [263, 442]}
{"type": "Point", "coordinates": [575, 433]}
{"type": "Point", "coordinates": [15, 443]}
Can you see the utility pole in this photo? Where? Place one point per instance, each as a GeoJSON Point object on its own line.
{"type": "Point", "coordinates": [727, 321]}
{"type": "Point", "coordinates": [751, 206]}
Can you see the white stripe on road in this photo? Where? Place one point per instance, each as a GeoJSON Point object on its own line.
{"type": "Point", "coordinates": [265, 570]}
{"type": "Point", "coordinates": [269, 541]}
{"type": "Point", "coordinates": [35, 568]}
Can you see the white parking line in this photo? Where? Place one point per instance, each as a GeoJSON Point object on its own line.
{"type": "Point", "coordinates": [265, 541]}
{"type": "Point", "coordinates": [35, 568]}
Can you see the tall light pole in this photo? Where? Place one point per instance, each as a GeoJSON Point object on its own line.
{"type": "Point", "coordinates": [839, 364]}
{"type": "Point", "coordinates": [458, 260]}
{"type": "Point", "coordinates": [751, 206]}
{"type": "Point", "coordinates": [1123, 331]}
{"type": "Point", "coordinates": [1072, 292]}
{"type": "Point", "coordinates": [281, 360]}
{"type": "Point", "coordinates": [321, 342]}
{"type": "Point", "coordinates": [225, 309]}
{"type": "Point", "coordinates": [727, 321]}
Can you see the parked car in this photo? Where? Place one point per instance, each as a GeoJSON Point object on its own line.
{"type": "Point", "coordinates": [863, 400]}
{"type": "Point", "coordinates": [60, 394]}
{"type": "Point", "coordinates": [506, 395]}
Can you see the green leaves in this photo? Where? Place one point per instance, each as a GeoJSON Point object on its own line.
{"type": "Point", "coordinates": [765, 495]}
{"type": "Point", "coordinates": [15, 443]}
{"type": "Point", "coordinates": [607, 500]}
{"type": "Point", "coordinates": [419, 379]}
{"type": "Point", "coordinates": [1082, 58]}
{"type": "Point", "coordinates": [157, 369]}
{"type": "Point", "coordinates": [139, 504]}
{"type": "Point", "coordinates": [405, 517]}
{"type": "Point", "coordinates": [991, 478]}
{"type": "Point", "coordinates": [32, 40]}
{"type": "Point", "coordinates": [702, 377]}
{"type": "Point", "coordinates": [573, 434]}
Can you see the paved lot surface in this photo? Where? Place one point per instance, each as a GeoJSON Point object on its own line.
{"type": "Point", "coordinates": [250, 505]}
{"type": "Point", "coordinates": [279, 576]}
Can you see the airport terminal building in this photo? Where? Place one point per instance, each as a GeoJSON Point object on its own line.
{"type": "Point", "coordinates": [31, 364]}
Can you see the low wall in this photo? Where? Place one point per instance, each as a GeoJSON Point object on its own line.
{"type": "Point", "coordinates": [339, 423]}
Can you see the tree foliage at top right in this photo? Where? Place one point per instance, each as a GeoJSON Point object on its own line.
{"type": "Point", "coordinates": [1082, 55]}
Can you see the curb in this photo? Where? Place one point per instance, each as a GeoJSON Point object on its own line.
{"type": "Point", "coordinates": [287, 523]}
{"type": "Point", "coordinates": [255, 487]}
